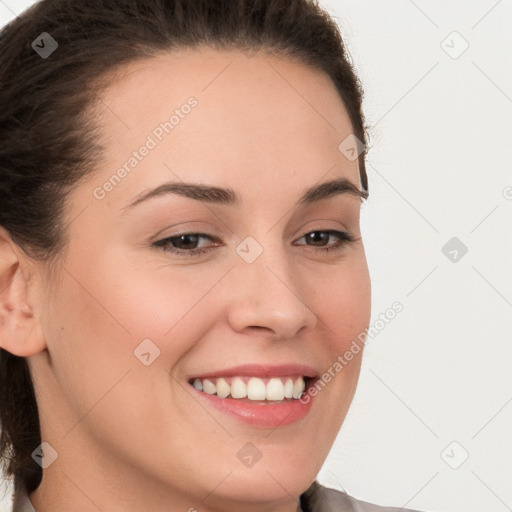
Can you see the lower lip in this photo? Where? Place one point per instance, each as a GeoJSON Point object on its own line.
{"type": "Point", "coordinates": [261, 413]}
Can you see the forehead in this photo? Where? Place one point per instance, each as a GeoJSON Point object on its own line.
{"type": "Point", "coordinates": [265, 120]}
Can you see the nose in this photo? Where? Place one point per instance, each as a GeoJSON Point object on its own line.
{"type": "Point", "coordinates": [266, 298]}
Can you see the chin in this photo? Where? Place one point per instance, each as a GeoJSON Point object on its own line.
{"type": "Point", "coordinates": [281, 472]}
{"type": "Point", "coordinates": [261, 486]}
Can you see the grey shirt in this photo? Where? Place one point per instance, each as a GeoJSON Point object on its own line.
{"type": "Point", "coordinates": [316, 499]}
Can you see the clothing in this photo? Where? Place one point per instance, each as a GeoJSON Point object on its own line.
{"type": "Point", "coordinates": [323, 499]}
{"type": "Point", "coordinates": [316, 499]}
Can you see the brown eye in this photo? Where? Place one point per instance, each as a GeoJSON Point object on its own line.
{"type": "Point", "coordinates": [319, 239]}
{"type": "Point", "coordinates": [184, 243]}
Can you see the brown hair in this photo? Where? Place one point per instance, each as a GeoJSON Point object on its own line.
{"type": "Point", "coordinates": [49, 139]}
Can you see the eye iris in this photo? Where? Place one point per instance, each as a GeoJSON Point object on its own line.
{"type": "Point", "coordinates": [188, 237]}
{"type": "Point", "coordinates": [318, 236]}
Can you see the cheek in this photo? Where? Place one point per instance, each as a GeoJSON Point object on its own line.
{"type": "Point", "coordinates": [173, 307]}
{"type": "Point", "coordinates": [94, 324]}
{"type": "Point", "coordinates": [88, 341]}
{"type": "Point", "coordinates": [344, 311]}
{"type": "Point", "coordinates": [344, 307]}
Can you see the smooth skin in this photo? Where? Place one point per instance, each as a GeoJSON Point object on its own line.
{"type": "Point", "coordinates": [131, 437]}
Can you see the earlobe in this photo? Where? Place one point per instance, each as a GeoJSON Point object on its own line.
{"type": "Point", "coordinates": [20, 330]}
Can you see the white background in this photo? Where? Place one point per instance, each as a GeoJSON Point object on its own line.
{"type": "Point", "coordinates": [439, 167]}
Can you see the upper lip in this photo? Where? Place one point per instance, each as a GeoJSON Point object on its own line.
{"type": "Point", "coordinates": [260, 370]}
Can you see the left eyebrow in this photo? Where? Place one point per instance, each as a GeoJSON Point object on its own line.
{"type": "Point", "coordinates": [228, 197]}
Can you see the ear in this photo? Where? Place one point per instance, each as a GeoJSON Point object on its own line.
{"type": "Point", "coordinates": [20, 331]}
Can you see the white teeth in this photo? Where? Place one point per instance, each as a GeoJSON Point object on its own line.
{"type": "Point", "coordinates": [276, 389]}
{"type": "Point", "coordinates": [209, 387]}
{"type": "Point", "coordinates": [256, 389]}
{"type": "Point", "coordinates": [298, 388]}
{"type": "Point", "coordinates": [238, 388]}
{"type": "Point", "coordinates": [223, 388]}
{"type": "Point", "coordinates": [288, 388]}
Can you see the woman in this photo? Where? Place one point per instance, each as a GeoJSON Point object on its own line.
{"type": "Point", "coordinates": [180, 255]}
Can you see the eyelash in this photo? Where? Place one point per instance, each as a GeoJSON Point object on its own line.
{"type": "Point", "coordinates": [344, 237]}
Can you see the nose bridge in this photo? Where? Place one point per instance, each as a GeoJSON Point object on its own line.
{"type": "Point", "coordinates": [267, 293]}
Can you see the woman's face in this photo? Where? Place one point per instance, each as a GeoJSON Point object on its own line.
{"type": "Point", "coordinates": [131, 322]}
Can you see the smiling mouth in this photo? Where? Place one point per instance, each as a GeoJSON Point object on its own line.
{"type": "Point", "coordinates": [246, 388]}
